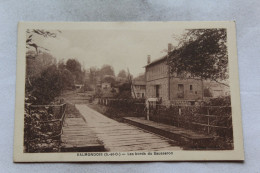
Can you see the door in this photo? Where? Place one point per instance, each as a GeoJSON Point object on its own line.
{"type": "Point", "coordinates": [180, 93]}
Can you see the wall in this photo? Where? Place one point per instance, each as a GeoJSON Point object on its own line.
{"type": "Point", "coordinates": [157, 75]}
{"type": "Point", "coordinates": [156, 71]}
{"type": "Point", "coordinates": [194, 94]}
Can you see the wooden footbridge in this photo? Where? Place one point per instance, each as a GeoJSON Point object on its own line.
{"type": "Point", "coordinates": [78, 137]}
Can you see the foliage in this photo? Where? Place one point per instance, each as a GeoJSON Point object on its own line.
{"type": "Point", "coordinates": [67, 80]}
{"type": "Point", "coordinates": [72, 111]}
{"type": "Point", "coordinates": [47, 86]}
{"type": "Point", "coordinates": [74, 67]}
{"type": "Point", "coordinates": [93, 74]}
{"type": "Point", "coordinates": [87, 87]}
{"type": "Point", "coordinates": [109, 79]}
{"type": "Point", "coordinates": [201, 53]}
{"type": "Point", "coordinates": [39, 134]}
{"type": "Point", "coordinates": [219, 101]}
{"type": "Point", "coordinates": [107, 70]}
{"type": "Point", "coordinates": [118, 108]}
{"type": "Point", "coordinates": [40, 32]}
{"type": "Point", "coordinates": [122, 74]}
{"type": "Point", "coordinates": [35, 66]}
{"type": "Point", "coordinates": [124, 91]}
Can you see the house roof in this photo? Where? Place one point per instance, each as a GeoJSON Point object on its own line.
{"type": "Point", "coordinates": [139, 83]}
{"type": "Point", "coordinates": [156, 61]}
{"type": "Point", "coordinates": [139, 80]}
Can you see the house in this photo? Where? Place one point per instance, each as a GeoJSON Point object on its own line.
{"type": "Point", "coordinates": [78, 86]}
{"type": "Point", "coordinates": [214, 89]}
{"type": "Point", "coordinates": [105, 85]}
{"type": "Point", "coordinates": [170, 88]}
{"type": "Point", "coordinates": [138, 89]}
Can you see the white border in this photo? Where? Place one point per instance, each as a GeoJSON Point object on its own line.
{"type": "Point", "coordinates": [183, 155]}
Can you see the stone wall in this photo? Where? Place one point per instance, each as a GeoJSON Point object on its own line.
{"type": "Point", "coordinates": [163, 89]}
{"type": "Point", "coordinates": [192, 89]}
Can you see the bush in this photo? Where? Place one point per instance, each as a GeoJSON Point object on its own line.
{"type": "Point", "coordinates": [220, 101]}
{"type": "Point", "coordinates": [40, 135]}
{"type": "Point", "coordinates": [47, 86]}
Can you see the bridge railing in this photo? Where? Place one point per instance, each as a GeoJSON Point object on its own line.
{"type": "Point", "coordinates": [43, 127]}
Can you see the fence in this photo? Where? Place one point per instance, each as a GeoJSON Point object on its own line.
{"type": "Point", "coordinates": [207, 119]}
{"type": "Point", "coordinates": [131, 107]}
{"type": "Point", "coordinates": [43, 127]}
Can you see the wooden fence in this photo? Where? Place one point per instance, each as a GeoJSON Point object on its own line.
{"type": "Point", "coordinates": [44, 127]}
{"type": "Point", "coordinates": [133, 107]}
{"type": "Point", "coordinates": [207, 119]}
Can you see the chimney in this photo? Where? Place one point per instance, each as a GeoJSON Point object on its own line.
{"type": "Point", "coordinates": [170, 47]}
{"type": "Point", "coordinates": [148, 59]}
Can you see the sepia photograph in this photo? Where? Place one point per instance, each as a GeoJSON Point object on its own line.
{"type": "Point", "coordinates": [127, 91]}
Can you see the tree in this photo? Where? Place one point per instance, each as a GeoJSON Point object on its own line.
{"type": "Point", "coordinates": [67, 81]}
{"type": "Point", "coordinates": [35, 66]}
{"type": "Point", "coordinates": [107, 70]}
{"type": "Point", "coordinates": [201, 53]}
{"type": "Point", "coordinates": [47, 86]}
{"type": "Point", "coordinates": [31, 43]}
{"type": "Point", "coordinates": [109, 79]}
{"type": "Point", "coordinates": [93, 75]}
{"type": "Point", "coordinates": [124, 91]}
{"type": "Point", "coordinates": [74, 67]}
{"type": "Point", "coordinates": [122, 74]}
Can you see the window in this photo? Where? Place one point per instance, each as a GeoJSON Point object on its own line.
{"type": "Point", "coordinates": [191, 88]}
{"type": "Point", "coordinates": [157, 93]}
{"type": "Point", "coordinates": [142, 95]}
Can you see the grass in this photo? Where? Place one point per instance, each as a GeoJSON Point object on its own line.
{"type": "Point", "coordinates": [72, 111]}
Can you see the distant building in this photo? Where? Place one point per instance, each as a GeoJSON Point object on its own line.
{"type": "Point", "coordinates": [214, 89]}
{"type": "Point", "coordinates": [138, 89]}
{"type": "Point", "coordinates": [105, 85]}
{"type": "Point", "coordinates": [78, 86]}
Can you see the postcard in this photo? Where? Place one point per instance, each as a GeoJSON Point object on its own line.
{"type": "Point", "coordinates": [127, 91]}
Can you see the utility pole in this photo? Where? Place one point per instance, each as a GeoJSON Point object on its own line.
{"type": "Point", "coordinates": [131, 82]}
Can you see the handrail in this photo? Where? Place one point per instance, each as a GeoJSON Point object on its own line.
{"type": "Point", "coordinates": [47, 105]}
{"type": "Point", "coordinates": [63, 106]}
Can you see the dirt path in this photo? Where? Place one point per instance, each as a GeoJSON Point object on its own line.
{"type": "Point", "coordinates": [118, 136]}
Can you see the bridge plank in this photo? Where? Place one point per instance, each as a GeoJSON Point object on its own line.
{"type": "Point", "coordinates": [78, 137]}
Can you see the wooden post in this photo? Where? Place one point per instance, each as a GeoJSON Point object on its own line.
{"type": "Point", "coordinates": [60, 115]}
{"type": "Point", "coordinates": [208, 119]}
{"type": "Point", "coordinates": [179, 117]}
{"type": "Point", "coordinates": [148, 111]}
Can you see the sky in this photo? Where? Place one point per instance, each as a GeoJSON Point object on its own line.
{"type": "Point", "coordinates": [122, 48]}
